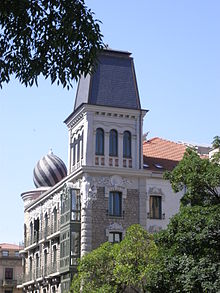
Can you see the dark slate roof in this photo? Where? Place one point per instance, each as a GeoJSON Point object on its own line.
{"type": "Point", "coordinates": [113, 82]}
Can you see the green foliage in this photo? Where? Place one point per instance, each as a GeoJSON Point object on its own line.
{"type": "Point", "coordinates": [95, 271]}
{"type": "Point", "coordinates": [200, 178]}
{"type": "Point", "coordinates": [189, 252]}
{"type": "Point", "coordinates": [193, 231]}
{"type": "Point", "coordinates": [135, 256]}
{"type": "Point", "coordinates": [115, 267]}
{"type": "Point", "coordinates": [58, 39]}
{"type": "Point", "coordinates": [216, 142]}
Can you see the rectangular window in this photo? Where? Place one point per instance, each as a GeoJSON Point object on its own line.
{"type": "Point", "coordinates": [17, 253]}
{"type": "Point", "coordinates": [155, 207]}
{"type": "Point", "coordinates": [9, 273]}
{"type": "Point", "coordinates": [75, 213]}
{"type": "Point", "coordinates": [5, 253]}
{"type": "Point", "coordinates": [115, 204]}
{"type": "Point", "coordinates": [115, 237]}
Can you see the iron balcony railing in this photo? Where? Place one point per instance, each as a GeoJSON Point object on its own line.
{"type": "Point", "coordinates": [8, 283]}
{"type": "Point", "coordinates": [42, 234]}
{"type": "Point", "coordinates": [38, 273]}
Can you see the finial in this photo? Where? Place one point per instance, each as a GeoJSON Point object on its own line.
{"type": "Point", "coordinates": [50, 151]}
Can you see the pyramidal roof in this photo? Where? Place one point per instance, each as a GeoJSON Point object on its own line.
{"type": "Point", "coordinates": [112, 83]}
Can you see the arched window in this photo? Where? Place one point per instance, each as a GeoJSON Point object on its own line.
{"type": "Point", "coordinates": [45, 262]}
{"type": "Point", "coordinates": [37, 265]}
{"type": "Point", "coordinates": [30, 266]}
{"type": "Point", "coordinates": [31, 233]}
{"type": "Point", "coordinates": [45, 225]}
{"type": "Point", "coordinates": [99, 141]}
{"type": "Point", "coordinates": [78, 148]}
{"type": "Point", "coordinates": [113, 143]}
{"type": "Point", "coordinates": [54, 220]}
{"type": "Point", "coordinates": [74, 151]}
{"type": "Point", "coordinates": [127, 144]}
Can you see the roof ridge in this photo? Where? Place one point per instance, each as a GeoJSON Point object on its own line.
{"type": "Point", "coordinates": [164, 139]}
{"type": "Point", "coordinates": [167, 140]}
{"type": "Point", "coordinates": [146, 141]}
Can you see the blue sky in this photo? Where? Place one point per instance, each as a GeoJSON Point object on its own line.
{"type": "Point", "coordinates": [176, 48]}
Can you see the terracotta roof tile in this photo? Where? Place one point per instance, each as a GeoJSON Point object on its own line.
{"type": "Point", "coordinates": [160, 154]}
{"type": "Point", "coordinates": [9, 246]}
{"type": "Point", "coordinates": [164, 149]}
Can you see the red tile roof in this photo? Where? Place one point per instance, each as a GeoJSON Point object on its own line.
{"type": "Point", "coordinates": [9, 246]}
{"type": "Point", "coordinates": [165, 153]}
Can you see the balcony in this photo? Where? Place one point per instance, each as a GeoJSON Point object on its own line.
{"type": "Point", "coordinates": [38, 273]}
{"type": "Point", "coordinates": [9, 283]}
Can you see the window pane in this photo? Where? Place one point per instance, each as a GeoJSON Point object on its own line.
{"type": "Point", "coordinates": [115, 237]}
{"type": "Point", "coordinates": [9, 273]}
{"type": "Point", "coordinates": [99, 141]}
{"type": "Point", "coordinates": [110, 238]}
{"type": "Point", "coordinates": [115, 200]}
{"type": "Point", "coordinates": [110, 203]}
{"type": "Point", "coordinates": [74, 152]}
{"type": "Point", "coordinates": [117, 204]}
{"type": "Point", "coordinates": [127, 144]}
{"type": "Point", "coordinates": [5, 253]}
{"type": "Point", "coordinates": [113, 143]}
{"type": "Point", "coordinates": [82, 146]}
{"type": "Point", "coordinates": [155, 207]}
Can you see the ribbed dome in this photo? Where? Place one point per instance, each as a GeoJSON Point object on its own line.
{"type": "Point", "coordinates": [49, 170]}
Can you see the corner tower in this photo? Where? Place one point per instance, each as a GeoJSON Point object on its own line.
{"type": "Point", "coordinates": [105, 128]}
{"type": "Point", "coordinates": [105, 150]}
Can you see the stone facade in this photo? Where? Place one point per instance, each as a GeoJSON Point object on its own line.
{"type": "Point", "coordinates": [10, 268]}
{"type": "Point", "coordinates": [102, 223]}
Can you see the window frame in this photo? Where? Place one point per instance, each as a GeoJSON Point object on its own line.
{"type": "Point", "coordinates": [9, 273]}
{"type": "Point", "coordinates": [115, 204]}
{"type": "Point", "coordinates": [127, 144]}
{"type": "Point", "coordinates": [154, 214]}
{"type": "Point", "coordinates": [100, 142]}
{"type": "Point", "coordinates": [113, 143]}
{"type": "Point", "coordinates": [114, 233]}
{"type": "Point", "coordinates": [5, 253]}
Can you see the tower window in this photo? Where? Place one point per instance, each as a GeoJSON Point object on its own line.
{"type": "Point", "coordinates": [155, 207]}
{"type": "Point", "coordinates": [113, 143]}
{"type": "Point", "coordinates": [115, 204]}
{"type": "Point", "coordinates": [99, 141]}
{"type": "Point", "coordinates": [127, 144]}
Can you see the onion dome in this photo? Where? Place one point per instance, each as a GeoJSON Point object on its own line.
{"type": "Point", "coordinates": [49, 170]}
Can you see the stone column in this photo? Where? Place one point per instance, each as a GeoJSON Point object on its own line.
{"type": "Point", "coordinates": [88, 194]}
{"type": "Point", "coordinates": [120, 149]}
{"type": "Point", "coordinates": [106, 148]}
{"type": "Point", "coordinates": [142, 202]}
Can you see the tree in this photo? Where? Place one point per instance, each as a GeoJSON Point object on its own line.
{"type": "Point", "coordinates": [216, 142]}
{"type": "Point", "coordinates": [134, 258]}
{"type": "Point", "coordinates": [189, 252]}
{"type": "Point", "coordinates": [189, 249]}
{"type": "Point", "coordinates": [95, 271]}
{"type": "Point", "coordinates": [55, 38]}
{"type": "Point", "coordinates": [117, 267]}
{"type": "Point", "coordinates": [199, 178]}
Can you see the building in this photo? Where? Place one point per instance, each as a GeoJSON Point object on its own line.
{"type": "Point", "coordinates": [10, 268]}
{"type": "Point", "coordinates": [113, 179]}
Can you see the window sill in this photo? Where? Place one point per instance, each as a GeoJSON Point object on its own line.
{"type": "Point", "coordinates": [115, 216]}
